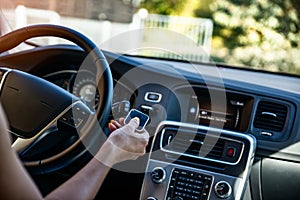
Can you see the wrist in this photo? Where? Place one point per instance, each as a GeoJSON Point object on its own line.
{"type": "Point", "coordinates": [106, 154]}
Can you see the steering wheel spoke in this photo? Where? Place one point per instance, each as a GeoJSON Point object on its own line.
{"type": "Point", "coordinates": [75, 117]}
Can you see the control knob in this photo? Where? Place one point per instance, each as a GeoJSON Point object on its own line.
{"type": "Point", "coordinates": [151, 198]}
{"type": "Point", "coordinates": [158, 175]}
{"type": "Point", "coordinates": [223, 189]}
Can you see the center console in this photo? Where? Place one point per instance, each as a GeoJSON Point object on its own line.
{"type": "Point", "coordinates": [189, 162]}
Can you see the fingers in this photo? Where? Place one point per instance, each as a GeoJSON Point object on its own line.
{"type": "Point", "coordinates": [114, 125]}
{"type": "Point", "coordinates": [121, 121]}
{"type": "Point", "coordinates": [126, 142]}
{"type": "Point", "coordinates": [135, 122]}
{"type": "Point", "coordinates": [130, 128]}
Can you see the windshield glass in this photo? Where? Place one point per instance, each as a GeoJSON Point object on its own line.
{"type": "Point", "coordinates": [261, 34]}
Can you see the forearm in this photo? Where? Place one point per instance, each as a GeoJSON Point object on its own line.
{"type": "Point", "coordinates": [14, 180]}
{"type": "Point", "coordinates": [123, 144]}
{"type": "Point", "coordinates": [84, 185]}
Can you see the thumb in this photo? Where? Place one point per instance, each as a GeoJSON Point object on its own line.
{"type": "Point", "coordinates": [135, 122]}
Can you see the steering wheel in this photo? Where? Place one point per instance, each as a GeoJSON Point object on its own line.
{"type": "Point", "coordinates": [34, 106]}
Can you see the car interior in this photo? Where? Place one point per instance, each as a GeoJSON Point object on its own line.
{"type": "Point", "coordinates": [218, 131]}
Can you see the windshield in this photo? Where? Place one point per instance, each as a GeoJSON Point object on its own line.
{"type": "Point", "coordinates": [261, 34]}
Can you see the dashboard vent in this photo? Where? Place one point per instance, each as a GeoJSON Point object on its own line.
{"type": "Point", "coordinates": [270, 116]}
{"type": "Point", "coordinates": [192, 144]}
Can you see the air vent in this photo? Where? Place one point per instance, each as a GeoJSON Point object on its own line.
{"type": "Point", "coordinates": [200, 144]}
{"type": "Point", "coordinates": [195, 146]}
{"type": "Point", "coordinates": [192, 144]}
{"type": "Point", "coordinates": [270, 116]}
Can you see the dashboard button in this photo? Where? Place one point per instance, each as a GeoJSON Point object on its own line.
{"type": "Point", "coordinates": [153, 97]}
{"type": "Point", "coordinates": [223, 189]}
{"type": "Point", "coordinates": [158, 175]}
{"type": "Point", "coordinates": [231, 152]}
{"type": "Point", "coordinates": [178, 198]}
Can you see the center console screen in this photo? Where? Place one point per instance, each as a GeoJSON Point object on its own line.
{"type": "Point", "coordinates": [215, 107]}
{"type": "Point", "coordinates": [201, 111]}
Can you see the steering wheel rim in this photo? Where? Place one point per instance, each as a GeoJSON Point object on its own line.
{"type": "Point", "coordinates": [101, 114]}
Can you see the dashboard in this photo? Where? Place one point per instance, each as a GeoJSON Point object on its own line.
{"type": "Point", "coordinates": [85, 86]}
{"type": "Point", "coordinates": [255, 113]}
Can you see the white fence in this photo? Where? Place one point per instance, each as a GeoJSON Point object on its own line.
{"type": "Point", "coordinates": [150, 35]}
{"type": "Point", "coordinates": [188, 38]}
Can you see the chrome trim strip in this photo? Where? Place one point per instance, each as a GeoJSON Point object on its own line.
{"type": "Point", "coordinates": [4, 77]}
{"type": "Point", "coordinates": [237, 118]}
{"type": "Point", "coordinates": [147, 107]}
{"type": "Point", "coordinates": [182, 125]}
{"type": "Point", "coordinates": [60, 72]}
{"type": "Point", "coordinates": [195, 141]}
{"type": "Point", "coordinates": [269, 114]}
{"type": "Point", "coordinates": [265, 133]}
{"type": "Point", "coordinates": [20, 144]}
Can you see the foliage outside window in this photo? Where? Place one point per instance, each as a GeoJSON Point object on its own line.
{"type": "Point", "coordinates": [263, 34]}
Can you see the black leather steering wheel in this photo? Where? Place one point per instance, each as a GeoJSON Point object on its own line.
{"type": "Point", "coordinates": [34, 105]}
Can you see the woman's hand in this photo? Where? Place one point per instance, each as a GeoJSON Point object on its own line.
{"type": "Point", "coordinates": [124, 143]}
{"type": "Point", "coordinates": [114, 125]}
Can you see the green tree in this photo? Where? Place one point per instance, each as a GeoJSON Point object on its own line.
{"type": "Point", "coordinates": [259, 33]}
{"type": "Point", "coordinates": [164, 7]}
{"type": "Point", "coordinates": [262, 34]}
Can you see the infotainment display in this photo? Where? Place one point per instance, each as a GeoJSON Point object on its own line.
{"type": "Point", "coordinates": [227, 113]}
{"type": "Point", "coordinates": [215, 107]}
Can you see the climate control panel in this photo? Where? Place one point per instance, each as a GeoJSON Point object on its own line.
{"type": "Point", "coordinates": [189, 174]}
{"type": "Point", "coordinates": [188, 185]}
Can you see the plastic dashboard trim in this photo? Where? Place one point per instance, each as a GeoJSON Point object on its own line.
{"type": "Point", "coordinates": [252, 148]}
